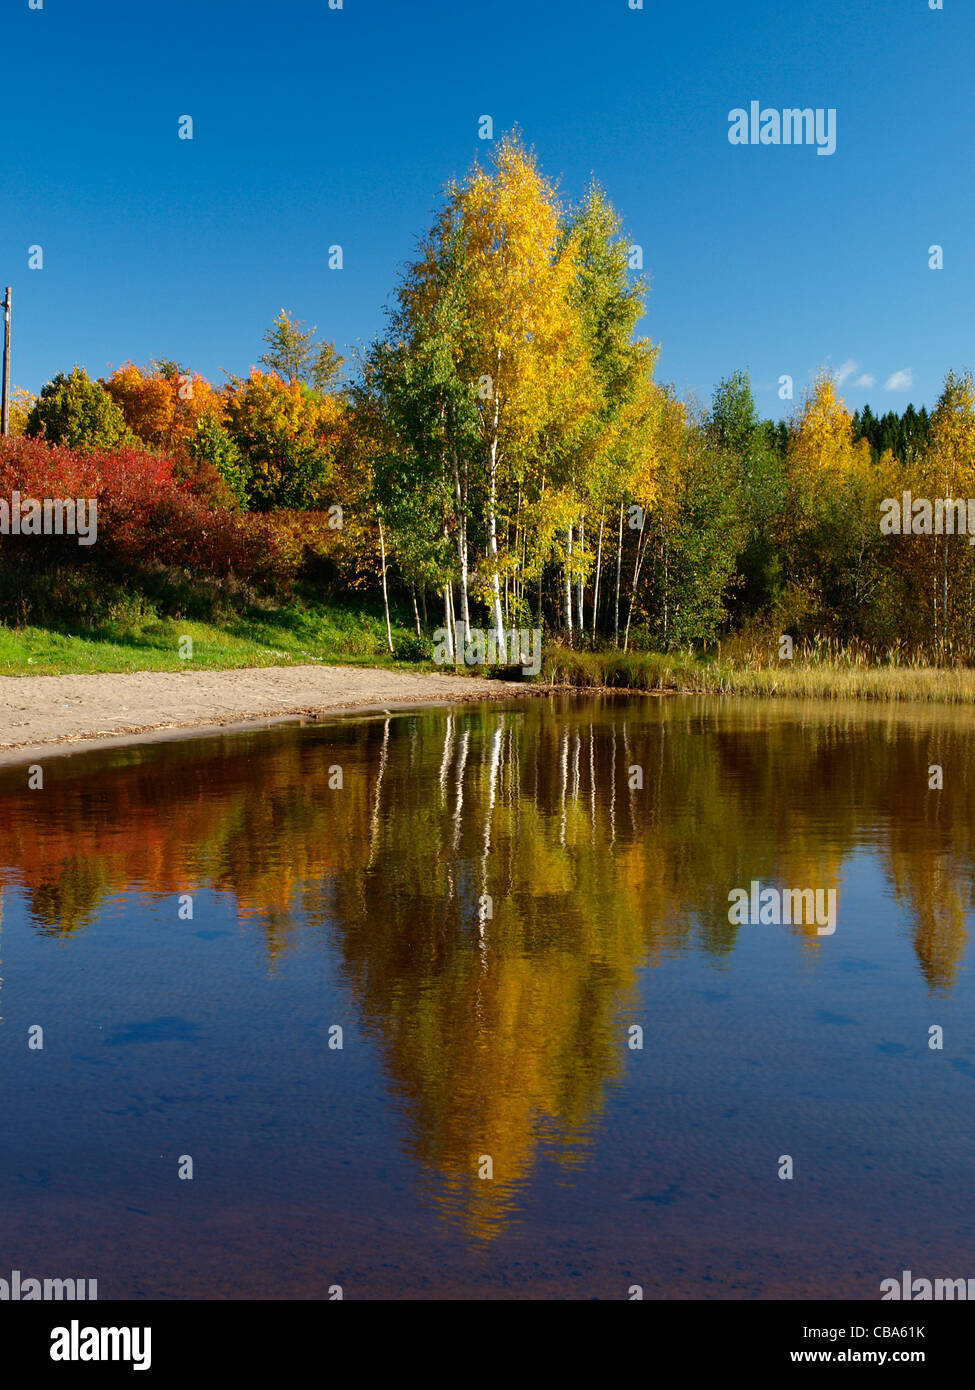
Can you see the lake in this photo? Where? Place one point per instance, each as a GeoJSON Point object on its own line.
{"type": "Point", "coordinates": [448, 1004]}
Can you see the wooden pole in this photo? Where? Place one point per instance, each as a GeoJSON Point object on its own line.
{"type": "Point", "coordinates": [5, 412]}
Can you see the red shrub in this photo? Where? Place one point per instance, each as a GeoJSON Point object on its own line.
{"type": "Point", "coordinates": [145, 515]}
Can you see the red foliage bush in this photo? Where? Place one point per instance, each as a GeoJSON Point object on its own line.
{"type": "Point", "coordinates": [147, 516]}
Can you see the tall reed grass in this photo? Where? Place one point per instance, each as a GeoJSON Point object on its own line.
{"type": "Point", "coordinates": [821, 669]}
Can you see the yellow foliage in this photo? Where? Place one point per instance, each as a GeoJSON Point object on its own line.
{"type": "Point", "coordinates": [822, 443]}
{"type": "Point", "coordinates": [21, 404]}
{"type": "Point", "coordinates": [522, 330]}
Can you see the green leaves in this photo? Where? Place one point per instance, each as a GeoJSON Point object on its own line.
{"type": "Point", "coordinates": [79, 412]}
{"type": "Point", "coordinates": [295, 356]}
{"type": "Point", "coordinates": [211, 443]}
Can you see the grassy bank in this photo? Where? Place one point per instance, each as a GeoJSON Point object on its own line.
{"type": "Point", "coordinates": [136, 631]}
{"type": "Point", "coordinates": [257, 636]}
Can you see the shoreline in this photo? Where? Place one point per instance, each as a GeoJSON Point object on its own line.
{"type": "Point", "coordinates": [48, 716]}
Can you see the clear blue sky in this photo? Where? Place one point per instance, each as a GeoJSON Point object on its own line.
{"type": "Point", "coordinates": [315, 127]}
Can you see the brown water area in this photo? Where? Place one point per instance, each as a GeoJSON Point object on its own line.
{"type": "Point", "coordinates": [563, 1070]}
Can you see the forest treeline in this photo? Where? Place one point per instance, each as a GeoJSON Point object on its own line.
{"type": "Point", "coordinates": [503, 455]}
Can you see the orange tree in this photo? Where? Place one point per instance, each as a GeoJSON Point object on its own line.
{"type": "Point", "coordinates": [162, 404]}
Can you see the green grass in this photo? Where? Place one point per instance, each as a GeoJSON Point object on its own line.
{"type": "Point", "coordinates": [64, 623]}
{"type": "Point", "coordinates": [292, 635]}
{"type": "Point", "coordinates": [338, 635]}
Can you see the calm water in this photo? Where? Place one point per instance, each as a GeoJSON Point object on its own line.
{"type": "Point", "coordinates": [486, 907]}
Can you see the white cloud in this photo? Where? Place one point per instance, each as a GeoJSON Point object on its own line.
{"type": "Point", "coordinates": [865, 380]}
{"type": "Point", "coordinates": [900, 381]}
{"type": "Point", "coordinates": [842, 373]}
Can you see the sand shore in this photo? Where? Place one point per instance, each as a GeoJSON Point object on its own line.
{"type": "Point", "coordinates": [54, 714]}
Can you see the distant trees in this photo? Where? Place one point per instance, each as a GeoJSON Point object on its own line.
{"type": "Point", "coordinates": [905, 436]}
{"type": "Point", "coordinates": [813, 560]}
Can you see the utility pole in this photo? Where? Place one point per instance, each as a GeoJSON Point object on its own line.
{"type": "Point", "coordinates": [5, 415]}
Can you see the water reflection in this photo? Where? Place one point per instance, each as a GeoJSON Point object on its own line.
{"type": "Point", "coordinates": [494, 880]}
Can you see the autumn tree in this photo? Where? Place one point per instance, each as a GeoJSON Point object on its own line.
{"type": "Point", "coordinates": [287, 436]}
{"type": "Point", "coordinates": [947, 471]}
{"type": "Point", "coordinates": [832, 516]}
{"type": "Point", "coordinates": [487, 316]}
{"type": "Point", "coordinates": [22, 402]}
{"type": "Point", "coordinates": [162, 403]}
{"type": "Point", "coordinates": [523, 340]}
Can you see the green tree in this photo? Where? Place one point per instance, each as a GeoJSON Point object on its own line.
{"type": "Point", "coordinates": [695, 534]}
{"type": "Point", "coordinates": [211, 443]}
{"type": "Point", "coordinates": [609, 303]}
{"type": "Point", "coordinates": [296, 356]}
{"type": "Point", "coordinates": [408, 405]}
{"type": "Point", "coordinates": [756, 473]}
{"type": "Point", "coordinates": [79, 412]}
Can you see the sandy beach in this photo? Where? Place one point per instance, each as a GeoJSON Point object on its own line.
{"type": "Point", "coordinates": [55, 713]}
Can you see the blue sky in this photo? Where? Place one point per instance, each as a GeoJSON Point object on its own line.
{"type": "Point", "coordinates": [315, 126]}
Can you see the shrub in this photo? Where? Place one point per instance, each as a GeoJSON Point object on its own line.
{"type": "Point", "coordinates": [146, 516]}
{"type": "Point", "coordinates": [409, 647]}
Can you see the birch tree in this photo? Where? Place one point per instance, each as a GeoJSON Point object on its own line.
{"type": "Point", "coordinates": [520, 339]}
